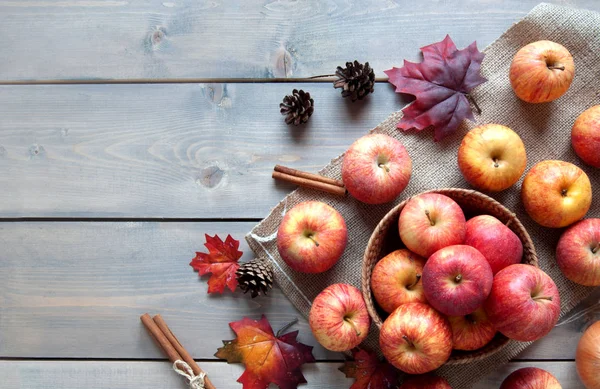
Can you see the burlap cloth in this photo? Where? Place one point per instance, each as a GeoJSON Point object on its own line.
{"type": "Point", "coordinates": [544, 128]}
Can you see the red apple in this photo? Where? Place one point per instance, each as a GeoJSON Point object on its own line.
{"type": "Point", "coordinates": [587, 357]}
{"type": "Point", "coordinates": [578, 252]}
{"type": "Point", "coordinates": [338, 317]}
{"type": "Point", "coordinates": [457, 280]}
{"type": "Point", "coordinates": [492, 157]}
{"type": "Point", "coordinates": [542, 71]}
{"type": "Point", "coordinates": [530, 378]}
{"type": "Point", "coordinates": [376, 168]}
{"type": "Point", "coordinates": [472, 331]}
{"type": "Point", "coordinates": [524, 303]}
{"type": "Point", "coordinates": [429, 222]}
{"type": "Point", "coordinates": [556, 193]}
{"type": "Point", "coordinates": [312, 237]}
{"type": "Point", "coordinates": [416, 338]}
{"type": "Point", "coordinates": [585, 136]}
{"type": "Point", "coordinates": [498, 244]}
{"type": "Point", "coordinates": [396, 280]}
{"type": "Point", "coordinates": [426, 381]}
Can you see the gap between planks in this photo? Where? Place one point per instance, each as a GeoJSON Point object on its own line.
{"type": "Point", "coordinates": [320, 80]}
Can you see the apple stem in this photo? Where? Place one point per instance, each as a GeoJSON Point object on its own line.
{"type": "Point", "coordinates": [411, 344]}
{"type": "Point", "coordinates": [458, 278]}
{"type": "Point", "coordinates": [595, 249]}
{"type": "Point", "coordinates": [472, 101]}
{"type": "Point", "coordinates": [353, 326]}
{"type": "Point", "coordinates": [557, 67]}
{"type": "Point", "coordinates": [417, 278]}
{"type": "Point", "coordinates": [313, 239]}
{"type": "Point", "coordinates": [496, 162]}
{"type": "Point", "coordinates": [387, 169]}
{"type": "Point", "coordinates": [428, 217]}
{"type": "Point", "coordinates": [286, 327]}
{"type": "Point", "coordinates": [563, 193]}
{"type": "Point", "coordinates": [549, 298]}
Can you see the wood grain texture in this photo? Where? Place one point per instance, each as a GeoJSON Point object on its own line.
{"type": "Point", "coordinates": [125, 375]}
{"type": "Point", "coordinates": [176, 150]}
{"type": "Point", "coordinates": [76, 290]}
{"type": "Point", "coordinates": [187, 39]}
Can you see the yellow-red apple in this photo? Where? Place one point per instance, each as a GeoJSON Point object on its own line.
{"type": "Point", "coordinates": [542, 71]}
{"type": "Point", "coordinates": [524, 303]}
{"type": "Point", "coordinates": [530, 378]}
{"type": "Point", "coordinates": [376, 168]}
{"type": "Point", "coordinates": [396, 280]}
{"type": "Point", "coordinates": [457, 280]}
{"type": "Point", "coordinates": [416, 338]}
{"type": "Point", "coordinates": [311, 237]}
{"type": "Point", "coordinates": [499, 245]}
{"type": "Point", "coordinates": [429, 222]}
{"type": "Point", "coordinates": [492, 157]}
{"type": "Point", "coordinates": [472, 331]}
{"type": "Point", "coordinates": [585, 136]}
{"type": "Point", "coordinates": [338, 317]}
{"type": "Point", "coordinates": [556, 193]}
{"type": "Point", "coordinates": [578, 252]}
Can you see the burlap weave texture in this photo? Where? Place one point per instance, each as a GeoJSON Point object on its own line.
{"type": "Point", "coordinates": [544, 128]}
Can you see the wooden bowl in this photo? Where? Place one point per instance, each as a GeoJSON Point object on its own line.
{"type": "Point", "coordinates": [385, 239]}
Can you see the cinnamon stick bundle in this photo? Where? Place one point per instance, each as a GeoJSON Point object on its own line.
{"type": "Point", "coordinates": [309, 180]}
{"type": "Point", "coordinates": [170, 345]}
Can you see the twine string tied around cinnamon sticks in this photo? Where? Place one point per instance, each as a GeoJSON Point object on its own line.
{"type": "Point", "coordinates": [185, 370]}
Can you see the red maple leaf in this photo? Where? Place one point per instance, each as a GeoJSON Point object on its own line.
{"type": "Point", "coordinates": [441, 85]}
{"type": "Point", "coordinates": [369, 372]}
{"type": "Point", "coordinates": [268, 358]}
{"type": "Point", "coordinates": [221, 262]}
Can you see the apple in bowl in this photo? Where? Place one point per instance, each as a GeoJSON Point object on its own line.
{"type": "Point", "coordinates": [541, 71]}
{"type": "Point", "coordinates": [524, 303]}
{"type": "Point", "coordinates": [530, 378]}
{"type": "Point", "coordinates": [472, 331]}
{"type": "Point", "coordinates": [425, 381]}
{"type": "Point", "coordinates": [499, 245]}
{"type": "Point", "coordinates": [312, 237]}
{"type": "Point", "coordinates": [578, 252]}
{"type": "Point", "coordinates": [338, 317]}
{"type": "Point", "coordinates": [492, 157]}
{"type": "Point", "coordinates": [556, 193]}
{"type": "Point", "coordinates": [376, 169]}
{"type": "Point", "coordinates": [429, 222]}
{"type": "Point", "coordinates": [585, 136]}
{"type": "Point", "coordinates": [457, 280]}
{"type": "Point", "coordinates": [396, 280]}
{"type": "Point", "coordinates": [416, 338]}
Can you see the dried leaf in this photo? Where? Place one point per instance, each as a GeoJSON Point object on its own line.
{"type": "Point", "coordinates": [268, 358]}
{"type": "Point", "coordinates": [369, 372]}
{"type": "Point", "coordinates": [221, 261]}
{"type": "Point", "coordinates": [441, 85]}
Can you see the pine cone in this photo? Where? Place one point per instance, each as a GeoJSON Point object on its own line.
{"type": "Point", "coordinates": [357, 80]}
{"type": "Point", "coordinates": [298, 107]}
{"type": "Point", "coordinates": [255, 276]}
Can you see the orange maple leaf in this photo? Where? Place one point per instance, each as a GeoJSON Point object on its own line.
{"type": "Point", "coordinates": [268, 358]}
{"type": "Point", "coordinates": [221, 261]}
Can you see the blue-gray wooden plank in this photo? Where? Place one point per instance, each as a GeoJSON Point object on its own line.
{"type": "Point", "coordinates": [184, 39]}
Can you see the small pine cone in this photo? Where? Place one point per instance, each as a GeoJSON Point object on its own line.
{"type": "Point", "coordinates": [357, 80]}
{"type": "Point", "coordinates": [297, 107]}
{"type": "Point", "coordinates": [255, 276]}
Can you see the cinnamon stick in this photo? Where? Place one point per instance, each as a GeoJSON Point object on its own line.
{"type": "Point", "coordinates": [162, 340]}
{"type": "Point", "coordinates": [305, 182]}
{"type": "Point", "coordinates": [181, 350]}
{"type": "Point", "coordinates": [310, 176]}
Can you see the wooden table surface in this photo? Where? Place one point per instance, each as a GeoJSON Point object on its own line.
{"type": "Point", "coordinates": [130, 129]}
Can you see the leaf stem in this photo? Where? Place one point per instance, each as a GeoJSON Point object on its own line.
{"type": "Point", "coordinates": [321, 76]}
{"type": "Point", "coordinates": [286, 327]}
{"type": "Point", "coordinates": [472, 101]}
